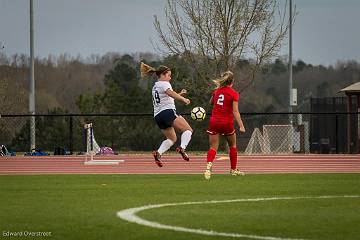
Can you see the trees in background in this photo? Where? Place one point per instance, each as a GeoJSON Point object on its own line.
{"type": "Point", "coordinates": [112, 84]}
{"type": "Point", "coordinates": [213, 36]}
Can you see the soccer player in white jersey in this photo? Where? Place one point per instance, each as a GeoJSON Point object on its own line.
{"type": "Point", "coordinates": [165, 112]}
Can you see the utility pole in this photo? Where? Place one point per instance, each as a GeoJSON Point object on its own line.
{"type": "Point", "coordinates": [32, 80]}
{"type": "Point", "coordinates": [290, 64]}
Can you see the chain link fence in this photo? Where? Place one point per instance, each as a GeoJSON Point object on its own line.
{"type": "Point", "coordinates": [266, 133]}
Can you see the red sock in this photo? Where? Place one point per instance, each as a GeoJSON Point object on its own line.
{"type": "Point", "coordinates": [233, 157]}
{"type": "Point", "coordinates": [211, 155]}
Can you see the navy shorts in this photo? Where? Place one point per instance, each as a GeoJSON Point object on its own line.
{"type": "Point", "coordinates": [165, 118]}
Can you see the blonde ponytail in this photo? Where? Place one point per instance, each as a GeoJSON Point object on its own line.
{"type": "Point", "coordinates": [226, 79]}
{"type": "Point", "coordinates": [146, 70]}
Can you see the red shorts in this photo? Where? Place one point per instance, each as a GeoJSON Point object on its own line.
{"type": "Point", "coordinates": [223, 127]}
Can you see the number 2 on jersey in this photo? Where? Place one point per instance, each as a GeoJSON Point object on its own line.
{"type": "Point", "coordinates": [220, 100]}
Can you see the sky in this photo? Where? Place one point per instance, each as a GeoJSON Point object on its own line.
{"type": "Point", "coordinates": [324, 32]}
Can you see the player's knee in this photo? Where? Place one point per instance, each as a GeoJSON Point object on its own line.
{"type": "Point", "coordinates": [173, 140]}
{"type": "Point", "coordinates": [186, 128]}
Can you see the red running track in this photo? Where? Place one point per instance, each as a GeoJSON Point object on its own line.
{"type": "Point", "coordinates": [173, 164]}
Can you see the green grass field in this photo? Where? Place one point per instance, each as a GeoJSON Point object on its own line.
{"type": "Point", "coordinates": [85, 206]}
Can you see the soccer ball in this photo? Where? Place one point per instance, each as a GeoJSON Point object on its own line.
{"type": "Point", "coordinates": [198, 114]}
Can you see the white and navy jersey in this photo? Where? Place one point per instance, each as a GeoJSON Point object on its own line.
{"type": "Point", "coordinates": [161, 100]}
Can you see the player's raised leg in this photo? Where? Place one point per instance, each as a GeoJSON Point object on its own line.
{"type": "Point", "coordinates": [182, 125]}
{"type": "Point", "coordinates": [165, 145]}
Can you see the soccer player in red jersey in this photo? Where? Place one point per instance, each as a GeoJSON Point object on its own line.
{"type": "Point", "coordinates": [225, 108]}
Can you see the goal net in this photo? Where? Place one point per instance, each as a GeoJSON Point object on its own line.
{"type": "Point", "coordinates": [275, 139]}
{"type": "Point", "coordinates": [92, 148]}
{"type": "Point", "coordinates": [91, 145]}
{"type": "Point", "coordinates": [256, 143]}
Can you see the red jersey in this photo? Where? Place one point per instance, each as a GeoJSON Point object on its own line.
{"type": "Point", "coordinates": [222, 100]}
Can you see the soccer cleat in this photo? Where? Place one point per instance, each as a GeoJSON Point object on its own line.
{"type": "Point", "coordinates": [157, 158]}
{"type": "Point", "coordinates": [207, 173]}
{"type": "Point", "coordinates": [183, 153]}
{"type": "Point", "coordinates": [236, 172]}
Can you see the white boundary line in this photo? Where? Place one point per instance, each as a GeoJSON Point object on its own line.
{"type": "Point", "coordinates": [103, 162]}
{"type": "Point", "coordinates": [130, 216]}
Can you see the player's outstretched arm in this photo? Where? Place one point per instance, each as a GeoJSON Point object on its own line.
{"type": "Point", "coordinates": [183, 92]}
{"type": "Point", "coordinates": [177, 96]}
{"type": "Point", "coordinates": [238, 117]}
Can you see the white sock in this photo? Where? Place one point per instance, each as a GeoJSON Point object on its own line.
{"type": "Point", "coordinates": [165, 145]}
{"type": "Point", "coordinates": [185, 138]}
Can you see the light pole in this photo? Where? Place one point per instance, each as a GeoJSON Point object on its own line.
{"type": "Point", "coordinates": [32, 80]}
{"type": "Point", "coordinates": [290, 59]}
{"type": "Point", "coordinates": [290, 64]}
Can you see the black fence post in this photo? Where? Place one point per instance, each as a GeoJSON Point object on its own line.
{"type": "Point", "coordinates": [71, 135]}
{"type": "Point", "coordinates": [336, 133]}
